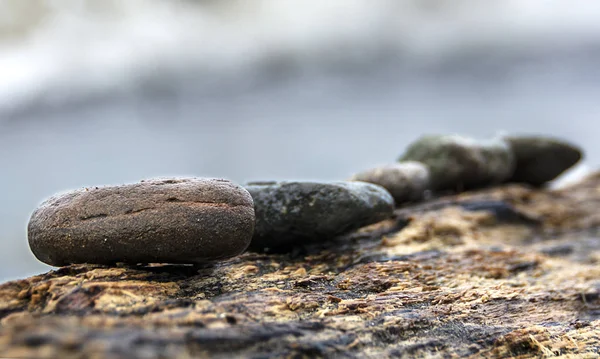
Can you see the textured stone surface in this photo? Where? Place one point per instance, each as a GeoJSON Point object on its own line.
{"type": "Point", "coordinates": [185, 220]}
{"type": "Point", "coordinates": [406, 181]}
{"type": "Point", "coordinates": [541, 159]}
{"type": "Point", "coordinates": [457, 162]}
{"type": "Point", "coordinates": [291, 213]}
{"type": "Point", "coordinates": [447, 283]}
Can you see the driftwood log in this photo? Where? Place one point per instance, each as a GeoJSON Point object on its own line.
{"type": "Point", "coordinates": [509, 271]}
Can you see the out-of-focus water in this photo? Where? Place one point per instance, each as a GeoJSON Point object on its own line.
{"type": "Point", "coordinates": [108, 92]}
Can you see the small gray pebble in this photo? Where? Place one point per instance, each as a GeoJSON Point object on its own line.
{"type": "Point", "coordinates": [292, 213]}
{"type": "Point", "coordinates": [406, 181]}
{"type": "Point", "coordinates": [457, 162]}
{"type": "Point", "coordinates": [541, 159]}
{"type": "Point", "coordinates": [502, 211]}
{"type": "Point", "coordinates": [559, 250]}
{"type": "Point", "coordinates": [181, 220]}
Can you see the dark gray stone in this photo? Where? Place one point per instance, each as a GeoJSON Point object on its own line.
{"type": "Point", "coordinates": [406, 181]}
{"type": "Point", "coordinates": [457, 162]}
{"type": "Point", "coordinates": [541, 159]}
{"type": "Point", "coordinates": [186, 220]}
{"type": "Point", "coordinates": [291, 213]}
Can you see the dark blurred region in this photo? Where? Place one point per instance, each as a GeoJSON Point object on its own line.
{"type": "Point", "coordinates": [108, 91]}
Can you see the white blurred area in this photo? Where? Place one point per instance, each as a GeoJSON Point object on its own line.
{"type": "Point", "coordinates": [112, 91]}
{"type": "Point", "coordinates": [55, 50]}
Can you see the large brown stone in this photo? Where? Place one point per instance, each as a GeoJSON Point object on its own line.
{"type": "Point", "coordinates": [185, 220]}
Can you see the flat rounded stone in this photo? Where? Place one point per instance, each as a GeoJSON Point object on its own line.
{"type": "Point", "coordinates": [180, 220]}
{"type": "Point", "coordinates": [541, 159]}
{"type": "Point", "coordinates": [457, 162]}
{"type": "Point", "coordinates": [406, 181]}
{"type": "Point", "coordinates": [291, 213]}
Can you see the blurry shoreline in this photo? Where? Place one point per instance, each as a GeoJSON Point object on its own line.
{"type": "Point", "coordinates": [59, 54]}
{"type": "Point", "coordinates": [486, 67]}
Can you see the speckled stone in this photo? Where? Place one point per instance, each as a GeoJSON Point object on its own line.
{"type": "Point", "coordinates": [180, 220]}
{"type": "Point", "coordinates": [541, 159]}
{"type": "Point", "coordinates": [292, 213]}
{"type": "Point", "coordinates": [457, 162]}
{"type": "Point", "coordinates": [406, 181]}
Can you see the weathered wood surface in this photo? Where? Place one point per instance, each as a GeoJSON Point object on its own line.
{"type": "Point", "coordinates": [502, 272]}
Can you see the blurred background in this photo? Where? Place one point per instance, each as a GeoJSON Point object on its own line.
{"type": "Point", "coordinates": [108, 91]}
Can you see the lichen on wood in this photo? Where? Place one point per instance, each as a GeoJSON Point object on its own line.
{"type": "Point", "coordinates": [504, 272]}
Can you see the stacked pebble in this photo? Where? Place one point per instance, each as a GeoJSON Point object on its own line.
{"type": "Point", "coordinates": [184, 220]}
{"type": "Point", "coordinates": [292, 213]}
{"type": "Point", "coordinates": [540, 160]}
{"type": "Point", "coordinates": [455, 163]}
{"type": "Point", "coordinates": [406, 181]}
{"type": "Point", "coordinates": [461, 162]}
{"type": "Point", "coordinates": [191, 220]}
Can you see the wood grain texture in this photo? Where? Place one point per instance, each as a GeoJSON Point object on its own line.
{"type": "Point", "coordinates": [502, 272]}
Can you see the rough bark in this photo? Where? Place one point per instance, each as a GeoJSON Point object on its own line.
{"type": "Point", "coordinates": [503, 272]}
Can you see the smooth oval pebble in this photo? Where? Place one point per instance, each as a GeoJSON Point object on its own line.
{"type": "Point", "coordinates": [180, 220]}
{"type": "Point", "coordinates": [406, 181]}
{"type": "Point", "coordinates": [541, 159]}
{"type": "Point", "coordinates": [457, 162]}
{"type": "Point", "coordinates": [291, 213]}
